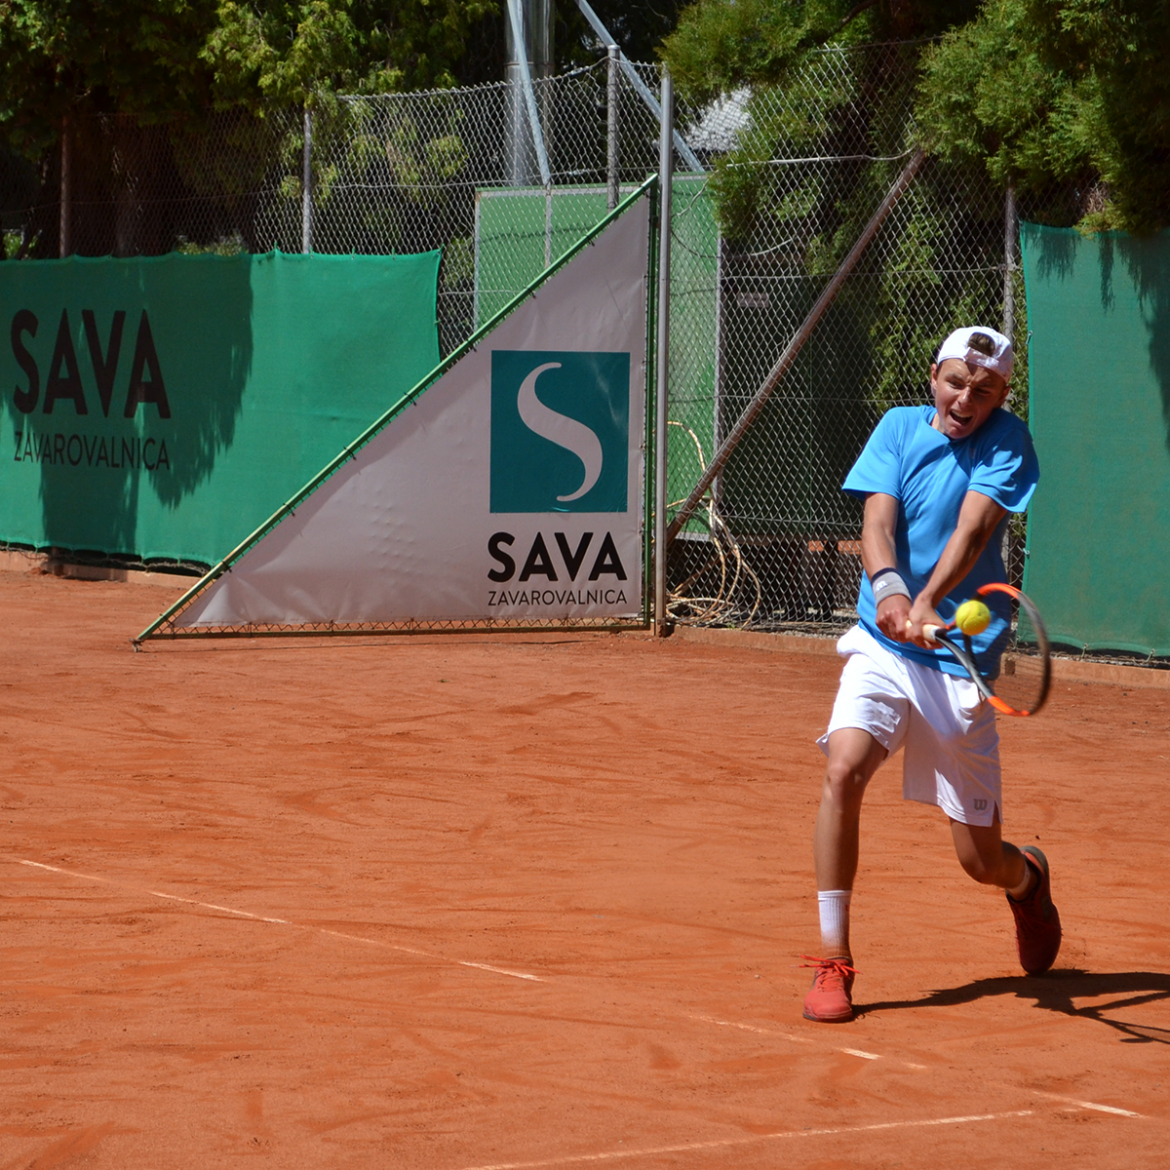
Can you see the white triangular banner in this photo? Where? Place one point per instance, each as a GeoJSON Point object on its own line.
{"type": "Point", "coordinates": [512, 488]}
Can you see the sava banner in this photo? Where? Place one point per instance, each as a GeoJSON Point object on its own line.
{"type": "Point", "coordinates": [164, 407]}
{"type": "Point", "coordinates": [512, 487]}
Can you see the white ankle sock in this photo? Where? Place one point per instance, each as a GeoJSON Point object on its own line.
{"type": "Point", "coordinates": [834, 909]}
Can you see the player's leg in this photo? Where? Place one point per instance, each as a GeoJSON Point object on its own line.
{"type": "Point", "coordinates": [989, 859]}
{"type": "Point", "coordinates": [1023, 876]}
{"type": "Point", "coordinates": [854, 756]}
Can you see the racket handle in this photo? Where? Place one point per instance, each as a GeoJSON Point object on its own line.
{"type": "Point", "coordinates": [928, 631]}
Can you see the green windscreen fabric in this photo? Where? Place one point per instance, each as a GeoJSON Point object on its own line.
{"type": "Point", "coordinates": [165, 407]}
{"type": "Point", "coordinates": [1099, 411]}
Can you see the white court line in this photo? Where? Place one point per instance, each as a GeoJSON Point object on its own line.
{"type": "Point", "coordinates": [372, 942]}
{"type": "Point", "coordinates": [1089, 1105]}
{"type": "Point", "coordinates": [877, 1056]}
{"type": "Point", "coordinates": [406, 950]}
{"type": "Point", "coordinates": [795, 1039]}
{"type": "Point", "coordinates": [752, 1028]}
{"type": "Point", "coordinates": [727, 1143]}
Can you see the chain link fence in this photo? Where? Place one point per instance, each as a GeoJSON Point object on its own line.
{"type": "Point", "coordinates": [755, 240]}
{"type": "Point", "coordinates": [777, 543]}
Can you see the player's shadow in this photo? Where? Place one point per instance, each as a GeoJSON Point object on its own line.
{"type": "Point", "coordinates": [1058, 991]}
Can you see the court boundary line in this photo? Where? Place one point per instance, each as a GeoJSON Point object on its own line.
{"type": "Point", "coordinates": [1072, 1102]}
{"type": "Point", "coordinates": [373, 942]}
{"type": "Point", "coordinates": [1088, 1105]}
{"type": "Point", "coordinates": [782, 1035]}
{"type": "Point", "coordinates": [861, 1053]}
{"type": "Point", "coordinates": [1068, 1102]}
{"type": "Point", "coordinates": [728, 1143]}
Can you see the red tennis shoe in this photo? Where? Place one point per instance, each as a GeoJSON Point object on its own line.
{"type": "Point", "coordinates": [829, 999]}
{"type": "Point", "coordinates": [1037, 920]}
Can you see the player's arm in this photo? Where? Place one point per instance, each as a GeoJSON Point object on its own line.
{"type": "Point", "coordinates": [878, 553]}
{"type": "Point", "coordinates": [979, 516]}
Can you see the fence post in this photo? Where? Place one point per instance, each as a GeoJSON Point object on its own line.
{"type": "Point", "coordinates": [65, 233]}
{"type": "Point", "coordinates": [662, 354]}
{"type": "Point", "coordinates": [307, 186]}
{"type": "Point", "coordinates": [1010, 231]}
{"type": "Point", "coordinates": [1010, 235]}
{"type": "Point", "coordinates": [612, 129]}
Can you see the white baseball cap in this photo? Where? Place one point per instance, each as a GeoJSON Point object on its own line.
{"type": "Point", "coordinates": [981, 346]}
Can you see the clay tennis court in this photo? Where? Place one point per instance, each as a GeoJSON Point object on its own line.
{"type": "Point", "coordinates": [538, 901]}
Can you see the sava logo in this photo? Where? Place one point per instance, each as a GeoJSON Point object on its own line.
{"type": "Point", "coordinates": [540, 562]}
{"type": "Point", "coordinates": [64, 382]}
{"type": "Point", "coordinates": [560, 431]}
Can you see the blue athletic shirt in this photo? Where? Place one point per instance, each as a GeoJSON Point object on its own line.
{"type": "Point", "coordinates": [929, 474]}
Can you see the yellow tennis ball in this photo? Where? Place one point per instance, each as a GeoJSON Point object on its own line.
{"type": "Point", "coordinates": [972, 617]}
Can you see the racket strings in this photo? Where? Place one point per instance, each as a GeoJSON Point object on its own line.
{"type": "Point", "coordinates": [1024, 669]}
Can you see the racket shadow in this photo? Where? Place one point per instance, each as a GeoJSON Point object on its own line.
{"type": "Point", "coordinates": [1058, 992]}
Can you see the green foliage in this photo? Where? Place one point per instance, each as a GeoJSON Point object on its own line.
{"type": "Point", "coordinates": [853, 105]}
{"type": "Point", "coordinates": [158, 60]}
{"type": "Point", "coordinates": [832, 105]}
{"type": "Point", "coordinates": [1064, 99]}
{"type": "Point", "coordinates": [229, 246]}
{"type": "Point", "coordinates": [218, 79]}
{"type": "Point", "coordinates": [414, 161]}
{"type": "Point", "coordinates": [986, 96]}
{"type": "Point", "coordinates": [98, 56]}
{"type": "Point", "coordinates": [283, 52]}
{"type": "Point", "coordinates": [1042, 93]}
{"type": "Point", "coordinates": [721, 45]}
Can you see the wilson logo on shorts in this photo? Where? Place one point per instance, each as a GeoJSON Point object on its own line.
{"type": "Point", "coordinates": [560, 431]}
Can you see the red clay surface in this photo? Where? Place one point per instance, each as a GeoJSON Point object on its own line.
{"type": "Point", "coordinates": [296, 886]}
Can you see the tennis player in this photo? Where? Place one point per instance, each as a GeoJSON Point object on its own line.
{"type": "Point", "coordinates": [938, 483]}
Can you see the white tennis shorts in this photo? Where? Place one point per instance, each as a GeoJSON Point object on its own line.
{"type": "Point", "coordinates": [947, 733]}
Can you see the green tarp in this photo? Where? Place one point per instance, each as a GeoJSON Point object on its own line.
{"type": "Point", "coordinates": [165, 407]}
{"type": "Point", "coordinates": [1099, 410]}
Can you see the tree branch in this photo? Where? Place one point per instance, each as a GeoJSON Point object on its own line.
{"type": "Point", "coordinates": [852, 15]}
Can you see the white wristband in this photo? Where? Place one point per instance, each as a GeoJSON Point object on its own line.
{"type": "Point", "coordinates": [888, 583]}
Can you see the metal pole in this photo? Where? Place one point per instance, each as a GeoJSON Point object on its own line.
{"type": "Point", "coordinates": [65, 233]}
{"type": "Point", "coordinates": [613, 145]}
{"type": "Point", "coordinates": [684, 151]}
{"type": "Point", "coordinates": [720, 342]}
{"type": "Point", "coordinates": [1010, 233]}
{"type": "Point", "coordinates": [307, 187]}
{"type": "Point", "coordinates": [548, 226]}
{"type": "Point", "coordinates": [794, 347]}
{"type": "Point", "coordinates": [516, 20]}
{"type": "Point", "coordinates": [662, 357]}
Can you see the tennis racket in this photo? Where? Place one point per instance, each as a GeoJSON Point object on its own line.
{"type": "Point", "coordinates": [1025, 670]}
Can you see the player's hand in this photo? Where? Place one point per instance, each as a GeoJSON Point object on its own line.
{"type": "Point", "coordinates": [892, 615]}
{"type": "Point", "coordinates": [922, 613]}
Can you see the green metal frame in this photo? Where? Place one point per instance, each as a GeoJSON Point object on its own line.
{"type": "Point", "coordinates": [349, 452]}
{"type": "Point", "coordinates": [649, 446]}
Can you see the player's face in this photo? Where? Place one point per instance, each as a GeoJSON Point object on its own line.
{"type": "Point", "coordinates": [964, 396]}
